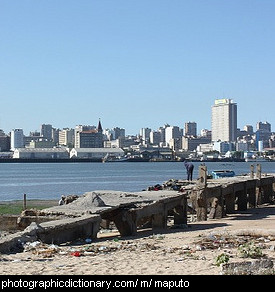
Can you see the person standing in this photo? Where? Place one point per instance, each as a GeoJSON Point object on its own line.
{"type": "Point", "coordinates": [189, 167]}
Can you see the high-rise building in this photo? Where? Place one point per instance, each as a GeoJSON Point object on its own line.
{"type": "Point", "coordinates": [248, 129]}
{"type": "Point", "coordinates": [17, 139]}
{"type": "Point", "coordinates": [224, 120]}
{"type": "Point", "coordinates": [190, 129]}
{"type": "Point", "coordinates": [46, 131]}
{"type": "Point", "coordinates": [264, 126]}
{"type": "Point", "coordinates": [263, 134]}
{"type": "Point", "coordinates": [145, 135]}
{"type": "Point", "coordinates": [172, 132]}
{"type": "Point", "coordinates": [66, 137]}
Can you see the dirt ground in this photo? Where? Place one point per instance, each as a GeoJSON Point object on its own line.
{"type": "Point", "coordinates": [198, 248]}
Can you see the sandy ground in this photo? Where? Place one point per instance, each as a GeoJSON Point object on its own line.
{"type": "Point", "coordinates": [189, 250]}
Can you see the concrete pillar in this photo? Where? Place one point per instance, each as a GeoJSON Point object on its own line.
{"type": "Point", "coordinates": [242, 200]}
{"type": "Point", "coordinates": [180, 213]}
{"type": "Point", "coordinates": [125, 223]}
{"type": "Point", "coordinates": [217, 204]}
{"type": "Point", "coordinates": [230, 203]}
{"type": "Point", "coordinates": [259, 195]}
{"type": "Point", "coordinates": [267, 193]}
{"type": "Point", "coordinates": [259, 171]}
{"type": "Point", "coordinates": [202, 181]}
{"type": "Point", "coordinates": [251, 197]}
{"type": "Point", "coordinates": [201, 205]}
{"type": "Point", "coordinates": [252, 171]}
{"type": "Point", "coordinates": [159, 221]}
{"type": "Point", "coordinates": [24, 202]}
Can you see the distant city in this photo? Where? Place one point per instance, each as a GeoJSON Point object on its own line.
{"type": "Point", "coordinates": [224, 141]}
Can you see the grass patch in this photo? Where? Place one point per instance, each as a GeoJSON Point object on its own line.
{"type": "Point", "coordinates": [16, 207]}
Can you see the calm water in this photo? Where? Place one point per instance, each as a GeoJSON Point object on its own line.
{"type": "Point", "coordinates": [51, 180]}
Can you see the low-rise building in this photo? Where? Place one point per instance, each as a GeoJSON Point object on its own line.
{"type": "Point", "coordinates": [95, 153]}
{"type": "Point", "coordinates": [40, 153]}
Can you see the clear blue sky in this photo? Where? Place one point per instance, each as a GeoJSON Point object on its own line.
{"type": "Point", "coordinates": [135, 63]}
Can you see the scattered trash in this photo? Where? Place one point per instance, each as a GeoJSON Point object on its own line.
{"type": "Point", "coordinates": [76, 253]}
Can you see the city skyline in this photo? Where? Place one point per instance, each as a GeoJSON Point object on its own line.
{"type": "Point", "coordinates": [134, 64]}
{"type": "Point", "coordinates": [182, 127]}
{"type": "Point", "coordinates": [223, 122]}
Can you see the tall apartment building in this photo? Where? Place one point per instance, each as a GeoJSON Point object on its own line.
{"type": "Point", "coordinates": [264, 126]}
{"type": "Point", "coordinates": [172, 132]}
{"type": "Point", "coordinates": [248, 129]}
{"type": "Point", "coordinates": [66, 137]}
{"type": "Point", "coordinates": [224, 120]}
{"type": "Point", "coordinates": [46, 131]}
{"type": "Point", "coordinates": [145, 135]}
{"type": "Point", "coordinates": [17, 139]}
{"type": "Point", "coordinates": [190, 129]}
{"type": "Point", "coordinates": [263, 134]}
{"type": "Point", "coordinates": [4, 141]}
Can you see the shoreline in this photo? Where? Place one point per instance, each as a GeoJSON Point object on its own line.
{"type": "Point", "coordinates": [15, 207]}
{"type": "Point", "coordinates": [98, 160]}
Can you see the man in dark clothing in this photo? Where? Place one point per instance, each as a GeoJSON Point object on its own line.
{"type": "Point", "coordinates": [189, 167]}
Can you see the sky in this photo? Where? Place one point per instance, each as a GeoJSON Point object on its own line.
{"type": "Point", "coordinates": [134, 64]}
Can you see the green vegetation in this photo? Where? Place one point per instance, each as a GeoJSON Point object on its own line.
{"type": "Point", "coordinates": [250, 250]}
{"type": "Point", "coordinates": [16, 207]}
{"type": "Point", "coordinates": [222, 259]}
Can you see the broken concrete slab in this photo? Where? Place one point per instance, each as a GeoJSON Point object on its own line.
{"type": "Point", "coordinates": [64, 230]}
{"type": "Point", "coordinates": [257, 267]}
{"type": "Point", "coordinates": [57, 231]}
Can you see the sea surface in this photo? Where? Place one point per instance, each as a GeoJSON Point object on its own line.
{"type": "Point", "coordinates": [51, 180]}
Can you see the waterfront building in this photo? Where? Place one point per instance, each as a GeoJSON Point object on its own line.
{"type": "Point", "coordinates": [95, 153]}
{"type": "Point", "coordinates": [223, 147]}
{"type": "Point", "coordinates": [17, 139]}
{"type": "Point", "coordinates": [204, 148]}
{"type": "Point", "coordinates": [242, 146]}
{"type": "Point", "coordinates": [224, 120]}
{"type": "Point", "coordinates": [41, 153]}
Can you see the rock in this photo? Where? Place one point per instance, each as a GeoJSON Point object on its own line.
{"type": "Point", "coordinates": [258, 267]}
{"type": "Point", "coordinates": [97, 201]}
{"type": "Point", "coordinates": [33, 228]}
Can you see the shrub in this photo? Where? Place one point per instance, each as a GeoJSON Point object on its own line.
{"type": "Point", "coordinates": [222, 259]}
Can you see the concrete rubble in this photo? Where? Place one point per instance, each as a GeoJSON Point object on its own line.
{"type": "Point", "coordinates": [82, 217]}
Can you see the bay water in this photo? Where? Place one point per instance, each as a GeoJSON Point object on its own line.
{"type": "Point", "coordinates": [46, 181]}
